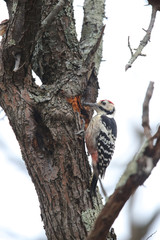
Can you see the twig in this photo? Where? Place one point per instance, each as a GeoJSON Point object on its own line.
{"type": "Point", "coordinates": [53, 14]}
{"type": "Point", "coordinates": [144, 41]}
{"type": "Point", "coordinates": [145, 114]}
{"type": "Point", "coordinates": [151, 235]}
{"type": "Point", "coordinates": [129, 45]}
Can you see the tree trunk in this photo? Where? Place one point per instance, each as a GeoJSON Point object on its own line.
{"type": "Point", "coordinates": [41, 36]}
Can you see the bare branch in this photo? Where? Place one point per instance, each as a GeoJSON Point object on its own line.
{"type": "Point", "coordinates": [155, 3]}
{"type": "Point", "coordinates": [129, 45]}
{"type": "Point", "coordinates": [93, 51]}
{"type": "Point", "coordinates": [145, 115]}
{"type": "Point", "coordinates": [151, 235]}
{"type": "Point", "coordinates": [94, 12]}
{"type": "Point", "coordinates": [137, 171]}
{"type": "Point", "coordinates": [144, 41]}
{"type": "Point", "coordinates": [53, 14]}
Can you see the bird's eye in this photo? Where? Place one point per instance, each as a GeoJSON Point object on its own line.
{"type": "Point", "coordinates": [103, 103]}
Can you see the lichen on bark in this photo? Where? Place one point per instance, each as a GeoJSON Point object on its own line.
{"type": "Point", "coordinates": [43, 118]}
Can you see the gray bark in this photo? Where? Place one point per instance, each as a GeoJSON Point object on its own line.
{"type": "Point", "coordinates": [41, 36]}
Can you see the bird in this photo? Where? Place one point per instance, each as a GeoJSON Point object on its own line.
{"type": "Point", "coordinates": [100, 137]}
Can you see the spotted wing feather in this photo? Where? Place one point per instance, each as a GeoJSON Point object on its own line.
{"type": "Point", "coordinates": [106, 143]}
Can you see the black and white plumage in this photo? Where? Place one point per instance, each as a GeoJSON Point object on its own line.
{"type": "Point", "coordinates": [100, 138]}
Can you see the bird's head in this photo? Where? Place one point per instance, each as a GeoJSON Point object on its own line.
{"type": "Point", "coordinates": [103, 107]}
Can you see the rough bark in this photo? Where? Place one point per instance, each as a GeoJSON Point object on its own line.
{"type": "Point", "coordinates": [41, 36]}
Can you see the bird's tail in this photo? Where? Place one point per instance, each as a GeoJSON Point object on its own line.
{"type": "Point", "coordinates": [93, 185]}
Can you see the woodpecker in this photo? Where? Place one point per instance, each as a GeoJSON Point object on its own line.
{"type": "Point", "coordinates": [100, 138]}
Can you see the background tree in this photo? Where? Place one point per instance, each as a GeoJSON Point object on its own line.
{"type": "Point", "coordinates": [32, 99]}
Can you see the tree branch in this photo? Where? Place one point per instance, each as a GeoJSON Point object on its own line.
{"type": "Point", "coordinates": [144, 41]}
{"type": "Point", "coordinates": [53, 14]}
{"type": "Point", "coordinates": [145, 116]}
{"type": "Point", "coordinates": [137, 171]}
{"type": "Point", "coordinates": [151, 235]}
{"type": "Point", "coordinates": [22, 27]}
{"type": "Point", "coordinates": [92, 28]}
{"type": "Point", "coordinates": [129, 45]}
{"type": "Point", "coordinates": [95, 47]}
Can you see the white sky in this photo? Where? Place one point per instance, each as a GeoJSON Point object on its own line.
{"type": "Point", "coordinates": [127, 90]}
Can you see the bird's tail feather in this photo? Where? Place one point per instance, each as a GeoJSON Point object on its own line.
{"type": "Point", "coordinates": [93, 185]}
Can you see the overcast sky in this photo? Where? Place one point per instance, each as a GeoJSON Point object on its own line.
{"type": "Point", "coordinates": [127, 91]}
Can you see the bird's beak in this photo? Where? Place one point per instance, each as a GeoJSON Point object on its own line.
{"type": "Point", "coordinates": [92, 105]}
